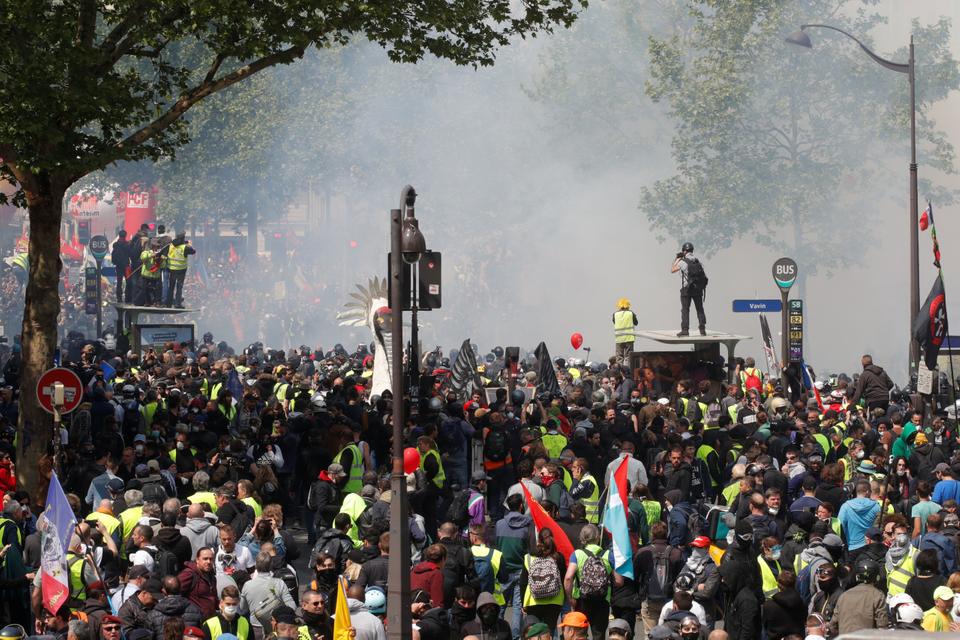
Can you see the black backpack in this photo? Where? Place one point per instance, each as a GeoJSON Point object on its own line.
{"type": "Point", "coordinates": [165, 563]}
{"type": "Point", "coordinates": [696, 276]}
{"type": "Point", "coordinates": [496, 446]}
{"type": "Point", "coordinates": [368, 525]}
{"type": "Point", "coordinates": [459, 510]}
{"type": "Point", "coordinates": [660, 582]}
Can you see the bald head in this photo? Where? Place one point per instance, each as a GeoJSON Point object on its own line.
{"type": "Point", "coordinates": [195, 511]}
{"type": "Point", "coordinates": [357, 593]}
{"type": "Point", "coordinates": [106, 505]}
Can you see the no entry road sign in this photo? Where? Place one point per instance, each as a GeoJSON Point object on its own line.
{"type": "Point", "coordinates": [72, 389]}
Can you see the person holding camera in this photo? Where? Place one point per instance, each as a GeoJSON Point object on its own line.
{"type": "Point", "coordinates": [693, 286]}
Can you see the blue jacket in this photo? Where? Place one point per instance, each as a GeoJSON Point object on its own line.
{"type": "Point", "coordinates": [856, 516]}
{"type": "Point", "coordinates": [944, 548]}
{"type": "Point", "coordinates": [677, 524]}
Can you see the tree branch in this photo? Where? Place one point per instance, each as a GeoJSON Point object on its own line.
{"type": "Point", "coordinates": [87, 23]}
{"type": "Point", "coordinates": [124, 37]}
{"type": "Point", "coordinates": [214, 68]}
{"type": "Point", "coordinates": [198, 93]}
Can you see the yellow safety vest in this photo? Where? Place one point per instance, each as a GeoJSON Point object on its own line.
{"type": "Point", "coordinates": [206, 497]}
{"type": "Point", "coordinates": [253, 504]}
{"type": "Point", "coordinates": [280, 390]}
{"type": "Point", "coordinates": [229, 413]}
{"type": "Point", "coordinates": [582, 555]}
{"type": "Point", "coordinates": [653, 511]}
{"type": "Point", "coordinates": [355, 472]}
{"type": "Point", "coordinates": [146, 261]}
{"type": "Point", "coordinates": [216, 629]}
{"type": "Point", "coordinates": [768, 581]}
{"type": "Point", "coordinates": [177, 257]}
{"type": "Point", "coordinates": [592, 504]}
{"type": "Point", "coordinates": [149, 410]}
{"type": "Point", "coordinates": [6, 522]}
{"type": "Point", "coordinates": [22, 260]}
{"type": "Point", "coordinates": [173, 454]}
{"type": "Point", "coordinates": [730, 493]}
{"type": "Point", "coordinates": [482, 551]}
{"type": "Point", "coordinates": [78, 590]}
{"type": "Point", "coordinates": [129, 518]}
{"type": "Point", "coordinates": [567, 478]}
{"type": "Point", "coordinates": [215, 390]}
{"type": "Point", "coordinates": [823, 442]}
{"type": "Point", "coordinates": [898, 577]}
{"type": "Point", "coordinates": [554, 443]}
{"type": "Point", "coordinates": [623, 326]}
{"type": "Point", "coordinates": [529, 600]}
{"type": "Point", "coordinates": [353, 505]}
{"type": "Point", "coordinates": [108, 521]}
{"type": "Point", "coordinates": [703, 451]}
{"type": "Point", "coordinates": [441, 476]}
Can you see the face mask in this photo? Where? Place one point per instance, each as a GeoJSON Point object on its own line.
{"type": "Point", "coordinates": [773, 510]}
{"type": "Point", "coordinates": [668, 507]}
{"type": "Point", "coordinates": [155, 435]}
{"type": "Point", "coordinates": [180, 445]}
{"type": "Point", "coordinates": [901, 472]}
{"type": "Point", "coordinates": [139, 449]}
{"type": "Point", "coordinates": [313, 618]}
{"type": "Point", "coordinates": [690, 635]}
{"type": "Point", "coordinates": [775, 553]}
{"type": "Point", "coordinates": [859, 455]}
{"type": "Point", "coordinates": [489, 616]}
{"type": "Point", "coordinates": [230, 611]}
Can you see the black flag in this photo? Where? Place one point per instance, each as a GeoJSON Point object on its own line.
{"type": "Point", "coordinates": [930, 326]}
{"type": "Point", "coordinates": [464, 379]}
{"type": "Point", "coordinates": [546, 376]}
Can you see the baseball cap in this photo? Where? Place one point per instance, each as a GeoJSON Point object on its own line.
{"type": "Point", "coordinates": [620, 625]}
{"type": "Point", "coordinates": [700, 542]}
{"type": "Point", "coordinates": [368, 491]}
{"type": "Point", "coordinates": [137, 571]}
{"type": "Point", "coordinates": [663, 401]}
{"type": "Point", "coordinates": [536, 629]}
{"type": "Point", "coordinates": [111, 618]}
{"type": "Point", "coordinates": [943, 592]}
{"type": "Point", "coordinates": [663, 632]}
{"type": "Point", "coordinates": [140, 438]}
{"type": "Point", "coordinates": [193, 632]}
{"type": "Point", "coordinates": [576, 619]}
{"type": "Point", "coordinates": [940, 468]}
{"type": "Point", "coordinates": [115, 485]}
{"type": "Point", "coordinates": [832, 540]}
{"type": "Point", "coordinates": [335, 470]}
{"type": "Point", "coordinates": [153, 465]}
{"type": "Point", "coordinates": [478, 476]}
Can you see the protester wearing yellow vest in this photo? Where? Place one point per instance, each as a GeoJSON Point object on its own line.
{"type": "Point", "coordinates": [624, 320]}
{"type": "Point", "coordinates": [201, 484]}
{"type": "Point", "coordinates": [553, 441]}
{"type": "Point", "coordinates": [481, 552]}
{"type": "Point", "coordinates": [177, 252]}
{"type": "Point", "coordinates": [351, 460]}
{"type": "Point", "coordinates": [902, 554]}
{"type": "Point", "coordinates": [228, 618]}
{"type": "Point", "coordinates": [586, 489]}
{"type": "Point", "coordinates": [245, 493]}
{"type": "Point", "coordinates": [150, 263]}
{"type": "Point", "coordinates": [434, 469]}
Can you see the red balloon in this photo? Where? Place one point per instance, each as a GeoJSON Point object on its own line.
{"type": "Point", "coordinates": [576, 340]}
{"type": "Point", "coordinates": [411, 460]}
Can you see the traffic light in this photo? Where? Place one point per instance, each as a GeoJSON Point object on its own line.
{"type": "Point", "coordinates": [83, 231]}
{"type": "Point", "coordinates": [428, 296]}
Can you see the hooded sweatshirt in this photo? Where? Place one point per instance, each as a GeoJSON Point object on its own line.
{"type": "Point", "coordinates": [815, 555]}
{"type": "Point", "coordinates": [367, 625]}
{"type": "Point", "coordinates": [856, 516]}
{"type": "Point", "coordinates": [429, 577]}
{"type": "Point", "coordinates": [900, 445]}
{"type": "Point", "coordinates": [512, 539]}
{"type": "Point", "coordinates": [201, 533]}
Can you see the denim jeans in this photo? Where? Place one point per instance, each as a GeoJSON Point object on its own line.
{"type": "Point", "coordinates": [513, 596]}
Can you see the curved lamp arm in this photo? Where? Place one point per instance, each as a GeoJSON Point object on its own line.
{"type": "Point", "coordinates": [889, 64]}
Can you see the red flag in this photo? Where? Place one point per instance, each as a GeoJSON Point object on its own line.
{"type": "Point", "coordinates": [543, 521]}
{"type": "Point", "coordinates": [925, 219]}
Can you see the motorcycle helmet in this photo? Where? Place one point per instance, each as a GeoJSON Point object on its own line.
{"type": "Point", "coordinates": [865, 571]}
{"type": "Point", "coordinates": [909, 613]}
{"type": "Point", "coordinates": [517, 397]}
{"type": "Point", "coordinates": [12, 632]}
{"type": "Point", "coordinates": [687, 247]}
{"type": "Point", "coordinates": [684, 582]}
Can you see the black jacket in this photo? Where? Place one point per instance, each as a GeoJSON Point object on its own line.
{"type": "Point", "coordinates": [742, 617]}
{"type": "Point", "coordinates": [172, 540]}
{"type": "Point", "coordinates": [459, 569]}
{"type": "Point", "coordinates": [873, 385]}
{"type": "Point", "coordinates": [784, 614]}
{"type": "Point", "coordinates": [373, 573]}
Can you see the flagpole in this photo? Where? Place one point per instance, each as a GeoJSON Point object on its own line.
{"type": "Point", "coordinates": [946, 314]}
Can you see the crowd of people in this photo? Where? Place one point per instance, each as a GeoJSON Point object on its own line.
{"type": "Point", "coordinates": [222, 495]}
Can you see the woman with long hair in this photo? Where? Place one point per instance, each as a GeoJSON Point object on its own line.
{"type": "Point", "coordinates": [543, 594]}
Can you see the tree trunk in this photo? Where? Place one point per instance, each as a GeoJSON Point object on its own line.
{"type": "Point", "coordinates": [39, 336]}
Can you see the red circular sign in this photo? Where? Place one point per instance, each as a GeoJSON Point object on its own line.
{"type": "Point", "coordinates": [72, 389]}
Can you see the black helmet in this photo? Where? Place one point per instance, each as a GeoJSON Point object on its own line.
{"type": "Point", "coordinates": [687, 246]}
{"type": "Point", "coordinates": [517, 397]}
{"type": "Point", "coordinates": [866, 570]}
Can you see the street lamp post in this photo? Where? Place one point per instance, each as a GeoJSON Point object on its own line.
{"type": "Point", "coordinates": [406, 245]}
{"type": "Point", "coordinates": [801, 38]}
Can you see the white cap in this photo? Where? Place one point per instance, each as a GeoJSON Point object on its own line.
{"type": "Point", "coordinates": [663, 401]}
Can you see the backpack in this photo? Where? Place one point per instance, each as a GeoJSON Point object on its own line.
{"type": "Point", "coordinates": [165, 563]}
{"type": "Point", "coordinates": [660, 582]}
{"type": "Point", "coordinates": [243, 519]}
{"type": "Point", "coordinates": [334, 547]}
{"type": "Point", "coordinates": [594, 580]}
{"type": "Point", "coordinates": [131, 419]}
{"type": "Point", "coordinates": [696, 276]}
{"type": "Point", "coordinates": [450, 437]}
{"type": "Point", "coordinates": [695, 523]}
{"type": "Point", "coordinates": [496, 446]}
{"type": "Point", "coordinates": [752, 381]}
{"type": "Point", "coordinates": [483, 565]}
{"type": "Point", "coordinates": [544, 578]}
{"type": "Point", "coordinates": [367, 525]}
{"type": "Point", "coordinates": [803, 584]}
{"type": "Point", "coordinates": [458, 512]}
